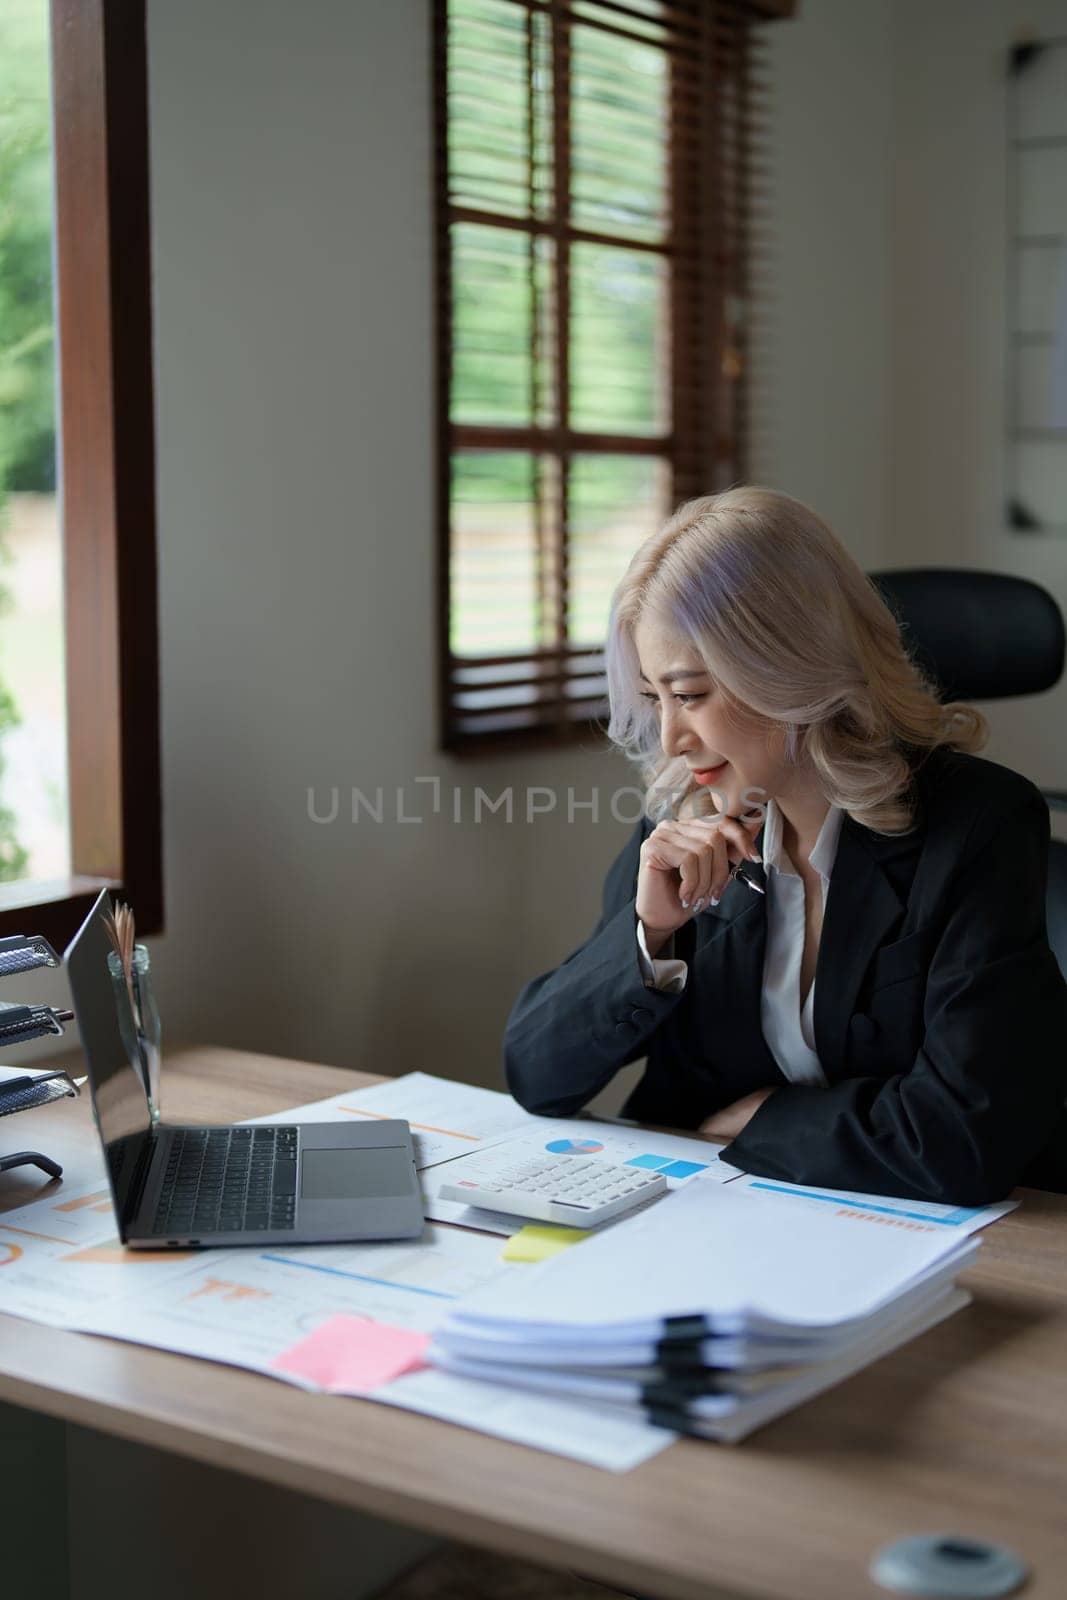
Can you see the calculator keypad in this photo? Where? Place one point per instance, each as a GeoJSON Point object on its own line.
{"type": "Point", "coordinates": [578, 1190]}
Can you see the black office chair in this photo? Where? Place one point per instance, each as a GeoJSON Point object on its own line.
{"type": "Point", "coordinates": [987, 636]}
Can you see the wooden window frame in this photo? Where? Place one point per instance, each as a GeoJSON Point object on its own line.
{"type": "Point", "coordinates": [705, 447]}
{"type": "Point", "coordinates": [106, 473]}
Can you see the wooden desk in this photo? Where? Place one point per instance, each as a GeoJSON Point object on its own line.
{"type": "Point", "coordinates": [964, 1429]}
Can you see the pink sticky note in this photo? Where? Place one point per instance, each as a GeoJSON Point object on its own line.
{"type": "Point", "coordinates": [350, 1355]}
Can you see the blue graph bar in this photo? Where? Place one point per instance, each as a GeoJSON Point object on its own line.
{"type": "Point", "coordinates": [338, 1272]}
{"type": "Point", "coordinates": [953, 1220]}
{"type": "Point", "coordinates": [668, 1166]}
{"type": "Point", "coordinates": [683, 1169]}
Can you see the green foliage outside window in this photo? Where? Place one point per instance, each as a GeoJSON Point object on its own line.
{"type": "Point", "coordinates": [27, 354]}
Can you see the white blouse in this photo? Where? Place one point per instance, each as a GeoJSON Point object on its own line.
{"type": "Point", "coordinates": [788, 1030]}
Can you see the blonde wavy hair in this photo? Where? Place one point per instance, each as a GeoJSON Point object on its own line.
{"type": "Point", "coordinates": [791, 629]}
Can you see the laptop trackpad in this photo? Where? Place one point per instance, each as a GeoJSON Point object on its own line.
{"type": "Point", "coordinates": [348, 1174]}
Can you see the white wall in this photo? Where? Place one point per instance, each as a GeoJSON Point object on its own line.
{"type": "Point", "coordinates": [946, 488]}
{"type": "Point", "coordinates": [824, 360]}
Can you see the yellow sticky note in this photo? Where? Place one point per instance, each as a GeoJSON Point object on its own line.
{"type": "Point", "coordinates": [537, 1242]}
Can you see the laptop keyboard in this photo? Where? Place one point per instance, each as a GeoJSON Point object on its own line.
{"type": "Point", "coordinates": [228, 1180]}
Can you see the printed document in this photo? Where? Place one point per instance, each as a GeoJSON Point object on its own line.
{"type": "Point", "coordinates": [736, 1243]}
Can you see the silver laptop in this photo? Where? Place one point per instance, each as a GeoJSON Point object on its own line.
{"type": "Point", "coordinates": [298, 1183]}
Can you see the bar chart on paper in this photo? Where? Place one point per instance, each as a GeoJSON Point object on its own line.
{"type": "Point", "coordinates": [650, 1160]}
{"type": "Point", "coordinates": [923, 1216]}
{"type": "Point", "coordinates": [249, 1306]}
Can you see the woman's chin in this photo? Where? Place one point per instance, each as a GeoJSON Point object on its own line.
{"type": "Point", "coordinates": [726, 798]}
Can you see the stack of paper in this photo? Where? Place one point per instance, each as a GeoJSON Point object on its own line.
{"type": "Point", "coordinates": [712, 1312]}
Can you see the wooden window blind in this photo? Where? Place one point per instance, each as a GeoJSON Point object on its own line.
{"type": "Point", "coordinates": [598, 182]}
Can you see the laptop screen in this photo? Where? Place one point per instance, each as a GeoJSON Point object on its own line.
{"type": "Point", "coordinates": [105, 1019]}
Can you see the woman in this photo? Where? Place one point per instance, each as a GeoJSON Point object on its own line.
{"type": "Point", "coordinates": [828, 934]}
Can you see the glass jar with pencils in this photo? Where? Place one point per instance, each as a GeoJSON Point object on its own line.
{"type": "Point", "coordinates": [139, 1021]}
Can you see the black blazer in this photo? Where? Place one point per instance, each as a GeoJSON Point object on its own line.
{"type": "Point", "coordinates": [940, 1012]}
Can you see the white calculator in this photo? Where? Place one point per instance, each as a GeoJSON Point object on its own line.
{"type": "Point", "coordinates": [550, 1188]}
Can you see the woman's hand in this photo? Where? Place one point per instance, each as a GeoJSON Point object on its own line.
{"type": "Point", "coordinates": [732, 1120]}
{"type": "Point", "coordinates": [685, 865]}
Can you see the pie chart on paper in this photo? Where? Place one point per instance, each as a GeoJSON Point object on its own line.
{"type": "Point", "coordinates": [574, 1147]}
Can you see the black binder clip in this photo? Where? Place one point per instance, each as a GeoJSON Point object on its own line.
{"type": "Point", "coordinates": [25, 953]}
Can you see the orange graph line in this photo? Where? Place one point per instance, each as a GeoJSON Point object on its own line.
{"type": "Point", "coordinates": [229, 1291]}
{"type": "Point", "coordinates": [423, 1127]}
{"type": "Point", "coordinates": [114, 1253]}
{"type": "Point", "coordinates": [31, 1235]}
{"type": "Point", "coordinates": [87, 1200]}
